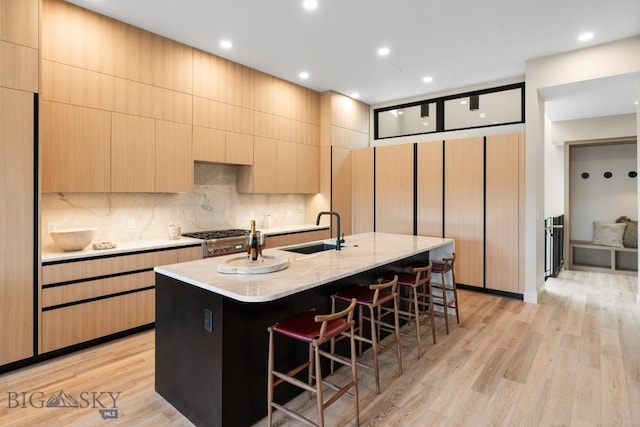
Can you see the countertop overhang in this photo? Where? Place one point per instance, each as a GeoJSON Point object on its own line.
{"type": "Point", "coordinates": [369, 250]}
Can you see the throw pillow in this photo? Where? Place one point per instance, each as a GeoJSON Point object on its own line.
{"type": "Point", "coordinates": [608, 233]}
{"type": "Point", "coordinates": [630, 237]}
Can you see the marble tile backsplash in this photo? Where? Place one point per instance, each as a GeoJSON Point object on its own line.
{"type": "Point", "coordinates": [214, 204]}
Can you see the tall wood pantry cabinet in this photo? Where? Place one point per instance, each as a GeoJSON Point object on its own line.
{"type": "Point", "coordinates": [18, 245]}
{"type": "Point", "coordinates": [470, 190]}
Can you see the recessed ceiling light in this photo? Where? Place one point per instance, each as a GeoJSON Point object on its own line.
{"type": "Point", "coordinates": [303, 75]}
{"type": "Point", "coordinates": [310, 4]}
{"type": "Point", "coordinates": [427, 79]}
{"type": "Point", "coordinates": [355, 95]}
{"type": "Point", "coordinates": [384, 51]}
{"type": "Point", "coordinates": [482, 115]}
{"type": "Point", "coordinates": [425, 123]}
{"type": "Point", "coordinates": [463, 102]}
{"type": "Point", "coordinates": [636, 102]}
{"type": "Point", "coordinates": [400, 112]}
{"type": "Point", "coordinates": [226, 44]}
{"type": "Point", "coordinates": [585, 36]}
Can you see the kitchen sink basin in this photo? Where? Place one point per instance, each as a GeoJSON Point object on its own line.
{"type": "Point", "coordinates": [316, 247]}
{"type": "Point", "coordinates": [311, 249]}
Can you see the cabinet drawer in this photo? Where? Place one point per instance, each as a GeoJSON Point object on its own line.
{"type": "Point", "coordinates": [83, 322]}
{"type": "Point", "coordinates": [78, 270]}
{"type": "Point", "coordinates": [74, 292]}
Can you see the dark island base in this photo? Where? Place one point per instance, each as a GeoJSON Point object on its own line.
{"type": "Point", "coordinates": [211, 351]}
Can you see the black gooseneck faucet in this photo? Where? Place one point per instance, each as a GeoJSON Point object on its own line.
{"type": "Point", "coordinates": [338, 240]}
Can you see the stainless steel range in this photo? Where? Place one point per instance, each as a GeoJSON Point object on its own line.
{"type": "Point", "coordinates": [221, 242]}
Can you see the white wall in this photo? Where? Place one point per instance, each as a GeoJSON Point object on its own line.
{"type": "Point", "coordinates": [214, 204]}
{"type": "Point", "coordinates": [557, 133]}
{"type": "Point", "coordinates": [598, 198]}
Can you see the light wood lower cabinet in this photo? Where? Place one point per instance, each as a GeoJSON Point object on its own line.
{"type": "Point", "coordinates": [92, 298]}
{"type": "Point", "coordinates": [78, 323]}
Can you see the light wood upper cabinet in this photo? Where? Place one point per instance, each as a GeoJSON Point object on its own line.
{"type": "Point", "coordinates": [239, 148]}
{"type": "Point", "coordinates": [19, 68]}
{"type": "Point", "coordinates": [209, 145]}
{"type": "Point", "coordinates": [280, 167]}
{"type": "Point", "coordinates": [504, 212]}
{"type": "Point", "coordinates": [394, 189]}
{"type": "Point", "coordinates": [75, 145]}
{"type": "Point", "coordinates": [285, 99]}
{"type": "Point", "coordinates": [141, 99]}
{"type": "Point", "coordinates": [362, 189]}
{"type": "Point", "coordinates": [429, 192]}
{"type": "Point", "coordinates": [174, 157]}
{"type": "Point", "coordinates": [152, 59]}
{"type": "Point", "coordinates": [217, 146]}
{"type": "Point", "coordinates": [75, 36]}
{"type": "Point", "coordinates": [464, 206]}
{"type": "Point", "coordinates": [286, 167]}
{"type": "Point", "coordinates": [71, 85]}
{"type": "Point", "coordinates": [221, 80]}
{"type": "Point", "coordinates": [262, 176]}
{"type": "Point", "coordinates": [19, 22]}
{"type": "Point", "coordinates": [16, 225]}
{"type": "Point", "coordinates": [19, 44]}
{"type": "Point", "coordinates": [133, 153]}
{"type": "Point", "coordinates": [307, 168]}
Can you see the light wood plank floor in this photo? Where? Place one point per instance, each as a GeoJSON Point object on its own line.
{"type": "Point", "coordinates": [573, 360]}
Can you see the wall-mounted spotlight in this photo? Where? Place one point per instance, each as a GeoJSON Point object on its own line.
{"type": "Point", "coordinates": [474, 103]}
{"type": "Point", "coordinates": [608, 174]}
{"type": "Point", "coordinates": [424, 110]}
{"type": "Point", "coordinates": [585, 175]}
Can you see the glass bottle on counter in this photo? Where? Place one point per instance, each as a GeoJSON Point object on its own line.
{"type": "Point", "coordinates": [254, 251]}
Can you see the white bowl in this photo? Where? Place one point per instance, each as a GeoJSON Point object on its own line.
{"type": "Point", "coordinates": [73, 239]}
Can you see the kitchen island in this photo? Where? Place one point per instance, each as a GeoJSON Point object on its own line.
{"type": "Point", "coordinates": [211, 328]}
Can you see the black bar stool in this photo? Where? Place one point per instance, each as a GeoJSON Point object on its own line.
{"type": "Point", "coordinates": [314, 329]}
{"type": "Point", "coordinates": [375, 298]}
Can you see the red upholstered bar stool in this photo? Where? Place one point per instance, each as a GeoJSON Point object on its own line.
{"type": "Point", "coordinates": [381, 301]}
{"type": "Point", "coordinates": [445, 294]}
{"type": "Point", "coordinates": [314, 329]}
{"type": "Point", "coordinates": [418, 304]}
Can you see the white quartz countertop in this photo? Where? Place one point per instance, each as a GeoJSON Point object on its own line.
{"type": "Point", "coordinates": [55, 254]}
{"type": "Point", "coordinates": [368, 250]}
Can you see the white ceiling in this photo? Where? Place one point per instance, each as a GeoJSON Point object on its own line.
{"type": "Point", "coordinates": [456, 42]}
